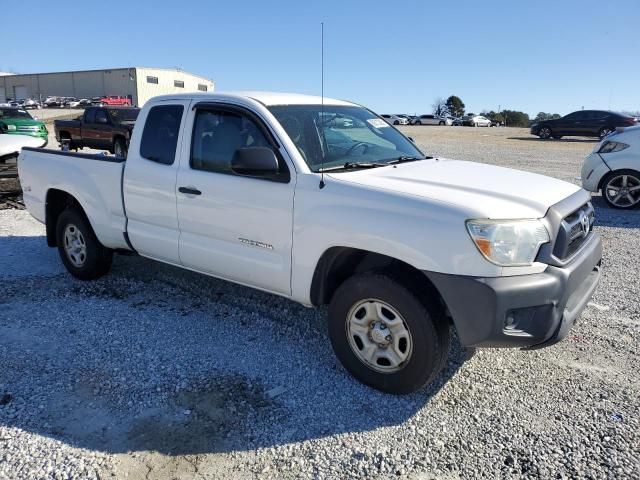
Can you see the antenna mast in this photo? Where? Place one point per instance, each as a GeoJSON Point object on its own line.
{"type": "Point", "coordinates": [322, 184]}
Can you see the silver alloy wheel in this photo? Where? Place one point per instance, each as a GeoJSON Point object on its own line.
{"type": "Point", "coordinates": [74, 245]}
{"type": "Point", "coordinates": [604, 132]}
{"type": "Point", "coordinates": [545, 132]}
{"type": "Point", "coordinates": [623, 191]}
{"type": "Point", "coordinates": [379, 336]}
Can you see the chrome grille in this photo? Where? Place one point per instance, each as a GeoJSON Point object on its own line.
{"type": "Point", "coordinates": [574, 231]}
{"type": "Point", "coordinates": [28, 128]}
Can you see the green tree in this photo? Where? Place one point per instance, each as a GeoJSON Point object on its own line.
{"type": "Point", "coordinates": [514, 118]}
{"type": "Point", "coordinates": [455, 106]}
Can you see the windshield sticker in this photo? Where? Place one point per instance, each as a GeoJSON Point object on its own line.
{"type": "Point", "coordinates": [377, 123]}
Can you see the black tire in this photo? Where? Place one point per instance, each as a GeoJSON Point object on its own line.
{"type": "Point", "coordinates": [545, 133]}
{"type": "Point", "coordinates": [612, 179]}
{"type": "Point", "coordinates": [120, 147]}
{"type": "Point", "coordinates": [418, 122]}
{"type": "Point", "coordinates": [96, 261]}
{"type": "Point", "coordinates": [423, 318]}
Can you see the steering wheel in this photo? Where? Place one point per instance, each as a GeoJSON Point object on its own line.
{"type": "Point", "coordinates": [358, 144]}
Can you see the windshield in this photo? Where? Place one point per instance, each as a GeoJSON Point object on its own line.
{"type": "Point", "coordinates": [334, 135]}
{"type": "Point", "coordinates": [14, 113]}
{"type": "Point", "coordinates": [124, 114]}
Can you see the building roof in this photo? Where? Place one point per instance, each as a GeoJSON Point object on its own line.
{"type": "Point", "coordinates": [111, 69]}
{"type": "Point", "coordinates": [266, 98]}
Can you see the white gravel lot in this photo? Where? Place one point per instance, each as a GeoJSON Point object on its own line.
{"type": "Point", "coordinates": [154, 372]}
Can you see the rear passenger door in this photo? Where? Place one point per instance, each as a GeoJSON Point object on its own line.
{"type": "Point", "coordinates": [149, 186]}
{"type": "Point", "coordinates": [231, 226]}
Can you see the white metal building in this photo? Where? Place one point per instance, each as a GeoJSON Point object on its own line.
{"type": "Point", "coordinates": [138, 83]}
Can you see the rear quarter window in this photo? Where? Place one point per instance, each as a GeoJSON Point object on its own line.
{"type": "Point", "coordinates": [160, 134]}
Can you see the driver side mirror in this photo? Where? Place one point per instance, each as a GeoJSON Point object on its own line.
{"type": "Point", "coordinates": [258, 162]}
{"type": "Point", "coordinates": [412, 140]}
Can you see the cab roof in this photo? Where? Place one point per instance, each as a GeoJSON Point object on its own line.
{"type": "Point", "coordinates": [266, 98]}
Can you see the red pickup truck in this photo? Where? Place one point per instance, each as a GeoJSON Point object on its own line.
{"type": "Point", "coordinates": [115, 100]}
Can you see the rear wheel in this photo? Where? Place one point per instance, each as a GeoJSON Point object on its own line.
{"type": "Point", "coordinates": [544, 133]}
{"type": "Point", "coordinates": [386, 336]}
{"type": "Point", "coordinates": [441, 123]}
{"type": "Point", "coordinates": [418, 122]}
{"type": "Point", "coordinates": [621, 189]}
{"type": "Point", "coordinates": [80, 251]}
{"type": "Point", "coordinates": [604, 131]}
{"type": "Point", "coordinates": [120, 148]}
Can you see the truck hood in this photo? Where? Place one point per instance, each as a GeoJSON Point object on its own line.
{"type": "Point", "coordinates": [28, 122]}
{"type": "Point", "coordinates": [486, 191]}
{"type": "Point", "coordinates": [10, 144]}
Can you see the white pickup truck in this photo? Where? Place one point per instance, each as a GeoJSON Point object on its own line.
{"type": "Point", "coordinates": [323, 202]}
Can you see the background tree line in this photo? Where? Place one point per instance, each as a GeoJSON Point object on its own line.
{"type": "Point", "coordinates": [455, 107]}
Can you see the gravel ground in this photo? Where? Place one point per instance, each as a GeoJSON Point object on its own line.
{"type": "Point", "coordinates": [154, 372]}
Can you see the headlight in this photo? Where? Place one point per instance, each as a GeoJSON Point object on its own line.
{"type": "Point", "coordinates": [611, 146]}
{"type": "Point", "coordinates": [508, 242]}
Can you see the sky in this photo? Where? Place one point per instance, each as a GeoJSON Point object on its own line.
{"type": "Point", "coordinates": [392, 56]}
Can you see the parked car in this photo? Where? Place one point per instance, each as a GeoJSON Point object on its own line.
{"type": "Point", "coordinates": [30, 103]}
{"type": "Point", "coordinates": [432, 120]}
{"type": "Point", "coordinates": [583, 123]}
{"type": "Point", "coordinates": [209, 185]}
{"type": "Point", "coordinates": [476, 121]}
{"type": "Point", "coordinates": [103, 128]}
{"type": "Point", "coordinates": [456, 122]}
{"type": "Point", "coordinates": [407, 117]}
{"type": "Point", "coordinates": [394, 119]}
{"type": "Point", "coordinates": [17, 121]}
{"type": "Point", "coordinates": [68, 101]}
{"type": "Point", "coordinates": [51, 102]}
{"type": "Point", "coordinates": [10, 145]}
{"type": "Point", "coordinates": [115, 100]}
{"type": "Point", "coordinates": [614, 168]}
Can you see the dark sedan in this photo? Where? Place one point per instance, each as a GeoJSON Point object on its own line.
{"type": "Point", "coordinates": [583, 123]}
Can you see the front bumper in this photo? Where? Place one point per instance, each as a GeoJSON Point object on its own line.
{"type": "Point", "coordinates": [526, 311]}
{"type": "Point", "coordinates": [593, 170]}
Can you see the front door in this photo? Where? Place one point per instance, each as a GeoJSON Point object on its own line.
{"type": "Point", "coordinates": [234, 227]}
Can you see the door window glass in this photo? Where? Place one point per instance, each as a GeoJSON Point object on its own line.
{"type": "Point", "coordinates": [217, 135]}
{"type": "Point", "coordinates": [101, 116]}
{"type": "Point", "coordinates": [160, 134]}
{"type": "Point", "coordinates": [90, 116]}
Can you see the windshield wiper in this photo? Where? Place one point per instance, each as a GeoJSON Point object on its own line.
{"type": "Point", "coordinates": [354, 165]}
{"type": "Point", "coordinates": [406, 158]}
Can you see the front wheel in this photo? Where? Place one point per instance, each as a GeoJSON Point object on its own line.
{"type": "Point", "coordinates": [441, 124]}
{"type": "Point", "coordinates": [621, 189]}
{"type": "Point", "coordinates": [80, 251]}
{"type": "Point", "coordinates": [544, 133]}
{"type": "Point", "coordinates": [386, 336]}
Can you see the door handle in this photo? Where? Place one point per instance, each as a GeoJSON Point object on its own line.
{"type": "Point", "coordinates": [189, 190]}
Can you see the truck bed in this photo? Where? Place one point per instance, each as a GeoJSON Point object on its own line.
{"type": "Point", "coordinates": [94, 180]}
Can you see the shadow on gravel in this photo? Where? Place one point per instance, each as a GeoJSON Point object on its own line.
{"type": "Point", "coordinates": [155, 358]}
{"type": "Point", "coordinates": [611, 217]}
{"type": "Point", "coordinates": [561, 140]}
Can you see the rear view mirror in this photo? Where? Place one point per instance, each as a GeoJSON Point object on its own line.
{"type": "Point", "coordinates": [258, 162]}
